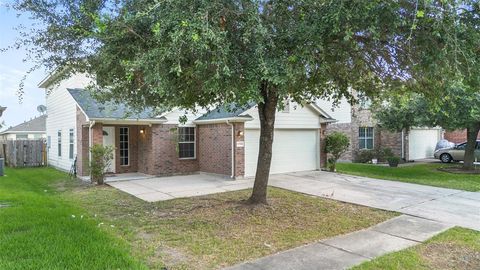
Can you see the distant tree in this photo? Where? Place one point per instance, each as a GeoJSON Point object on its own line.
{"type": "Point", "coordinates": [2, 109]}
{"type": "Point", "coordinates": [444, 44]}
{"type": "Point", "coordinates": [209, 52]}
{"type": "Point", "coordinates": [457, 109]}
{"type": "Point", "coordinates": [400, 112]}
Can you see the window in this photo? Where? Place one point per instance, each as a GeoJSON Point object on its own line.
{"type": "Point", "coordinates": [186, 142]}
{"type": "Point", "coordinates": [71, 139]}
{"type": "Point", "coordinates": [21, 136]}
{"type": "Point", "coordinates": [365, 137]}
{"type": "Point", "coordinates": [59, 141]}
{"type": "Point", "coordinates": [124, 146]}
{"type": "Point", "coordinates": [37, 136]}
{"type": "Point", "coordinates": [461, 146]}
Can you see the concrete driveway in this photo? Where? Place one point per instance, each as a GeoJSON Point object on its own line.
{"type": "Point", "coordinates": [455, 207]}
{"type": "Point", "coordinates": [450, 206]}
{"type": "Point", "coordinates": [167, 188]}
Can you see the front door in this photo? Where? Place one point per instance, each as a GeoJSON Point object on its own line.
{"type": "Point", "coordinates": [109, 140]}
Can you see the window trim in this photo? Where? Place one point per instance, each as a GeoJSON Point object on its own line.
{"type": "Point", "coordinates": [366, 138]}
{"type": "Point", "coordinates": [120, 149]}
{"type": "Point", "coordinates": [71, 143]}
{"type": "Point", "coordinates": [59, 143]}
{"type": "Point", "coordinates": [194, 142]}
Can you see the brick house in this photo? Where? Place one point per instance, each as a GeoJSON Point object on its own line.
{"type": "Point", "coordinates": [217, 141]}
{"type": "Point", "coordinates": [457, 136]}
{"type": "Point", "coordinates": [364, 133]}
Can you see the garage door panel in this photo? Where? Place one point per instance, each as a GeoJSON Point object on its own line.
{"type": "Point", "coordinates": [293, 150]}
{"type": "Point", "coordinates": [422, 143]}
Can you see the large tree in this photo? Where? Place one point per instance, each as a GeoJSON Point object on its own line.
{"type": "Point", "coordinates": [170, 53]}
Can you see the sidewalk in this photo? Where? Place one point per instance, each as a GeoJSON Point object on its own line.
{"type": "Point", "coordinates": [345, 251]}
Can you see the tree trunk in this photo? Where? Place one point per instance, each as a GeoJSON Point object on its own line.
{"type": "Point", "coordinates": [266, 112]}
{"type": "Point", "coordinates": [469, 158]}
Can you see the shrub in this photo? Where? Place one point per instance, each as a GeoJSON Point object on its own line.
{"type": "Point", "coordinates": [393, 161]}
{"type": "Point", "coordinates": [366, 155]}
{"type": "Point", "coordinates": [336, 144]}
{"type": "Point", "coordinates": [102, 157]}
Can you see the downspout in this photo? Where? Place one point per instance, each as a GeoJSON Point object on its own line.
{"type": "Point", "coordinates": [233, 149]}
{"type": "Point", "coordinates": [403, 144]}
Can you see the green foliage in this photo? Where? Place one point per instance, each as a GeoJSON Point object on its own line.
{"type": "Point", "coordinates": [366, 155]}
{"type": "Point", "coordinates": [393, 161]}
{"type": "Point", "coordinates": [199, 53]}
{"type": "Point", "coordinates": [399, 112]}
{"type": "Point", "coordinates": [336, 144]}
{"type": "Point", "coordinates": [102, 157]}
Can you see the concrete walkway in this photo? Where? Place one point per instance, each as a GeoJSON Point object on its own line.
{"type": "Point", "coordinates": [166, 188]}
{"type": "Point", "coordinates": [451, 206]}
{"type": "Point", "coordinates": [345, 251]}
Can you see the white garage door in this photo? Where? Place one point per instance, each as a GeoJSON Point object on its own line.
{"type": "Point", "coordinates": [422, 143]}
{"type": "Point", "coordinates": [293, 150]}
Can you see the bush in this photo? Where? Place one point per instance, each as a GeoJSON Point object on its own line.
{"type": "Point", "coordinates": [366, 155]}
{"type": "Point", "coordinates": [102, 157]}
{"type": "Point", "coordinates": [393, 161]}
{"type": "Point", "coordinates": [336, 144]}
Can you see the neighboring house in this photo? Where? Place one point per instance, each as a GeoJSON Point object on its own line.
{"type": "Point", "coordinates": [457, 136]}
{"type": "Point", "coordinates": [29, 130]}
{"type": "Point", "coordinates": [364, 133]}
{"type": "Point", "coordinates": [219, 141]}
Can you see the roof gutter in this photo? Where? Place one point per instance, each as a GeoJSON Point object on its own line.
{"type": "Point", "coordinates": [237, 119]}
{"type": "Point", "coordinates": [130, 121]}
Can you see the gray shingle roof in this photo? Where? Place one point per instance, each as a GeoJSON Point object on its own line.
{"type": "Point", "coordinates": [110, 110]}
{"type": "Point", "coordinates": [36, 124]}
{"type": "Point", "coordinates": [227, 111]}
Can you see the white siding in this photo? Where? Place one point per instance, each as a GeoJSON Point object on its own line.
{"type": "Point", "coordinates": [342, 113]}
{"type": "Point", "coordinates": [175, 114]}
{"type": "Point", "coordinates": [61, 111]}
{"type": "Point", "coordinates": [298, 117]}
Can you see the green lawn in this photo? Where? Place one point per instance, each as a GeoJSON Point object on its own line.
{"type": "Point", "coordinates": [38, 230]}
{"type": "Point", "coordinates": [52, 222]}
{"type": "Point", "coordinates": [456, 248]}
{"type": "Point", "coordinates": [424, 174]}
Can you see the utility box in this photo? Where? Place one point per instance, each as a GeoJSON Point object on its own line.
{"type": "Point", "coordinates": [2, 165]}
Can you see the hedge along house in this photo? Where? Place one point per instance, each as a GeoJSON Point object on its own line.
{"type": "Point", "coordinates": [219, 141]}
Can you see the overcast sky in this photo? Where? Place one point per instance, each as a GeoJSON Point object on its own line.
{"type": "Point", "coordinates": [12, 69]}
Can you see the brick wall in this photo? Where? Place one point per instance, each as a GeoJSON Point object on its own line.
{"type": "Point", "coordinates": [239, 150]}
{"type": "Point", "coordinates": [164, 155]}
{"type": "Point", "coordinates": [145, 151]}
{"type": "Point", "coordinates": [363, 118]}
{"type": "Point", "coordinates": [392, 140]}
{"type": "Point", "coordinates": [215, 148]}
{"type": "Point", "coordinates": [457, 136]}
{"type": "Point", "coordinates": [155, 152]}
{"type": "Point", "coordinates": [345, 128]}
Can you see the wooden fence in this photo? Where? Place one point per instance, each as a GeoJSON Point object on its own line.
{"type": "Point", "coordinates": [24, 153]}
